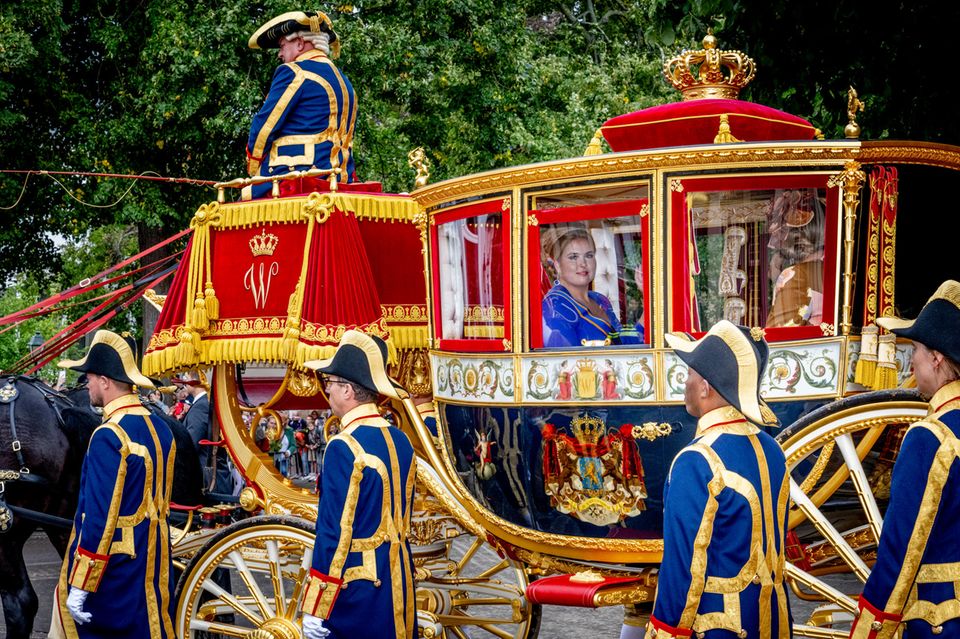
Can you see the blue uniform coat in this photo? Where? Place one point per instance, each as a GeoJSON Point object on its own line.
{"type": "Point", "coordinates": [306, 121]}
{"type": "Point", "coordinates": [916, 578]}
{"type": "Point", "coordinates": [725, 513]}
{"type": "Point", "coordinates": [361, 581]}
{"type": "Point", "coordinates": [120, 544]}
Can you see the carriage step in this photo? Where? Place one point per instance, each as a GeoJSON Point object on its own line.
{"type": "Point", "coordinates": [590, 589]}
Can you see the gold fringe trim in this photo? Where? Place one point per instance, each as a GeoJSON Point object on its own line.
{"type": "Point", "coordinates": [291, 210]}
{"type": "Point", "coordinates": [406, 338]}
{"type": "Point", "coordinates": [481, 331]}
{"type": "Point", "coordinates": [192, 351]}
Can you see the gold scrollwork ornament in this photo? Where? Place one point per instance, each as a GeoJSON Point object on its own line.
{"type": "Point", "coordinates": [303, 383]}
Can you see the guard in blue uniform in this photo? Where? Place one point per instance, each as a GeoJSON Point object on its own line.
{"type": "Point", "coordinates": [725, 500]}
{"type": "Point", "coordinates": [915, 582]}
{"type": "Point", "coordinates": [116, 579]}
{"type": "Point", "coordinates": [361, 581]}
{"type": "Point", "coordinates": [308, 117]}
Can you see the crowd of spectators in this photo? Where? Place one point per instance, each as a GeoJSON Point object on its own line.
{"type": "Point", "coordinates": [296, 443]}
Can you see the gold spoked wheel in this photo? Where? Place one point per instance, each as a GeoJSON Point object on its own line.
{"type": "Point", "coordinates": [265, 561]}
{"type": "Point", "coordinates": [840, 458]}
{"type": "Point", "coordinates": [474, 593]}
{"type": "Point", "coordinates": [462, 582]}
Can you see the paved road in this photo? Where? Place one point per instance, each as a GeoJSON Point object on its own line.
{"type": "Point", "coordinates": [558, 622]}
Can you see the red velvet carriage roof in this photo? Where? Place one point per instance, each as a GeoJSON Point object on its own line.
{"type": "Point", "coordinates": [699, 122]}
{"type": "Point", "coordinates": [280, 280]}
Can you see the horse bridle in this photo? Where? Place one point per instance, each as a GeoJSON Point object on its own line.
{"type": "Point", "coordinates": [9, 393]}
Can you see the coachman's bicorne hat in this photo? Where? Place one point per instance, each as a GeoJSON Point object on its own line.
{"type": "Point", "coordinates": [732, 359]}
{"type": "Point", "coordinates": [112, 356]}
{"type": "Point", "coordinates": [937, 326]}
{"type": "Point", "coordinates": [268, 36]}
{"type": "Point", "coordinates": [362, 359]}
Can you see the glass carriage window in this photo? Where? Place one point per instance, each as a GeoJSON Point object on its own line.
{"type": "Point", "coordinates": [470, 273]}
{"type": "Point", "coordinates": [760, 256]}
{"type": "Point", "coordinates": [587, 274]}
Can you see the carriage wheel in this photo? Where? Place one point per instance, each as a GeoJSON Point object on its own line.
{"type": "Point", "coordinates": [475, 593]}
{"type": "Point", "coordinates": [268, 559]}
{"type": "Point", "coordinates": [461, 580]}
{"type": "Point", "coordinates": [839, 458]}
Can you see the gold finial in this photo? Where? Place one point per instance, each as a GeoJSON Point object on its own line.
{"type": "Point", "coordinates": [757, 333]}
{"type": "Point", "coordinates": [852, 130]}
{"type": "Point", "coordinates": [709, 72]}
{"type": "Point", "coordinates": [596, 144]}
{"type": "Point", "coordinates": [417, 159]}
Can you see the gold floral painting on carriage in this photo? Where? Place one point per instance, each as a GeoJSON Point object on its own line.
{"type": "Point", "coordinates": [756, 250]}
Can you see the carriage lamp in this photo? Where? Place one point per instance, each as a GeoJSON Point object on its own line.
{"type": "Point", "coordinates": [36, 341]}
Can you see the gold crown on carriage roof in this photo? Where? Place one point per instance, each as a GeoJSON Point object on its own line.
{"type": "Point", "coordinates": [264, 244]}
{"type": "Point", "coordinates": [709, 72]}
{"type": "Point", "coordinates": [588, 430]}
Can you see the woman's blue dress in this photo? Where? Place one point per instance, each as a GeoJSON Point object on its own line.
{"type": "Point", "coordinates": [566, 322]}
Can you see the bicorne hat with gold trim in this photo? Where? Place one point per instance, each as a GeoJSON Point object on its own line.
{"type": "Point", "coordinates": [732, 359]}
{"type": "Point", "coordinates": [112, 356]}
{"type": "Point", "coordinates": [937, 326]}
{"type": "Point", "coordinates": [268, 36]}
{"type": "Point", "coordinates": [362, 359]}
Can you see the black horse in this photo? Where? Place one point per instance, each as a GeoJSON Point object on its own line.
{"type": "Point", "coordinates": [53, 431]}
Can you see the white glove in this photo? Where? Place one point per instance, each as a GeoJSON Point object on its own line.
{"type": "Point", "coordinates": [75, 605]}
{"type": "Point", "coordinates": [313, 627]}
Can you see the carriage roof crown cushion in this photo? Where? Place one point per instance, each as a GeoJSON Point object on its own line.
{"type": "Point", "coordinates": [732, 359]}
{"type": "Point", "coordinates": [112, 356]}
{"type": "Point", "coordinates": [938, 324]}
{"type": "Point", "coordinates": [361, 358]}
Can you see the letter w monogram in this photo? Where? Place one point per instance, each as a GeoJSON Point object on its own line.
{"type": "Point", "coordinates": [258, 283]}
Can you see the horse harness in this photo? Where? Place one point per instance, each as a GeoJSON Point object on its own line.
{"type": "Point", "coordinates": [9, 393]}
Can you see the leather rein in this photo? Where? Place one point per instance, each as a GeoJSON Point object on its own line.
{"type": "Point", "coordinates": [9, 393]}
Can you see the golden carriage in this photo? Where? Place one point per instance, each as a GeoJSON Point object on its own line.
{"type": "Point", "coordinates": [554, 457]}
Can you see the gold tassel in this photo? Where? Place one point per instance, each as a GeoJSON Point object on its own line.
{"type": "Point", "coordinates": [865, 372]}
{"type": "Point", "coordinates": [291, 338]}
{"type": "Point", "coordinates": [886, 374]}
{"type": "Point", "coordinates": [885, 378]}
{"type": "Point", "coordinates": [867, 362]}
{"type": "Point", "coordinates": [212, 303]}
{"type": "Point", "coordinates": [198, 319]}
{"type": "Point", "coordinates": [185, 351]}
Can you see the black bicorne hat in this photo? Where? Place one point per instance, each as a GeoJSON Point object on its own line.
{"type": "Point", "coordinates": [362, 359]}
{"type": "Point", "coordinates": [112, 356]}
{"type": "Point", "coordinates": [732, 359]}
{"type": "Point", "coordinates": [937, 326]}
{"type": "Point", "coordinates": [267, 36]}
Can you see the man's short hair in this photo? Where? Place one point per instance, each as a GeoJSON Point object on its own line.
{"type": "Point", "coordinates": [361, 393]}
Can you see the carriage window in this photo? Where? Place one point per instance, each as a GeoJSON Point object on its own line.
{"type": "Point", "coordinates": [470, 254]}
{"type": "Point", "coordinates": [757, 256]}
{"type": "Point", "coordinates": [587, 275]}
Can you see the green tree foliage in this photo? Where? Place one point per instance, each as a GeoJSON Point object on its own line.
{"type": "Point", "coordinates": [809, 53]}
